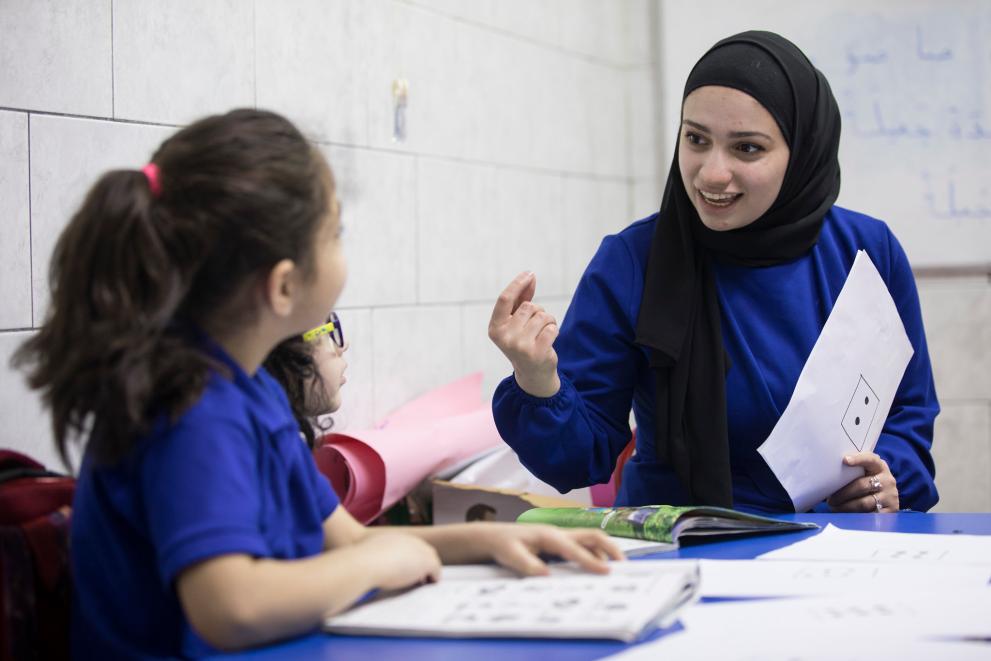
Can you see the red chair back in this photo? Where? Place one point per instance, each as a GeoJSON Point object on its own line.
{"type": "Point", "coordinates": [604, 495]}
{"type": "Point", "coordinates": [35, 576]}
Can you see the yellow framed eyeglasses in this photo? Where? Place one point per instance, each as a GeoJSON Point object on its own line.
{"type": "Point", "coordinates": [331, 328]}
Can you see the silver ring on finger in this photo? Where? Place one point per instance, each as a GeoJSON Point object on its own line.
{"type": "Point", "coordinates": [877, 503]}
{"type": "Point", "coordinates": [875, 483]}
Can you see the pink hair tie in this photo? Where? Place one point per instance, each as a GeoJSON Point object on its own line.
{"type": "Point", "coordinates": [151, 174]}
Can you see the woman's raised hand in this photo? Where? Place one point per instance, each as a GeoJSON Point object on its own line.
{"type": "Point", "coordinates": [525, 333]}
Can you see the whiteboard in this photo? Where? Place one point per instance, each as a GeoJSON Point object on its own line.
{"type": "Point", "coordinates": [913, 82]}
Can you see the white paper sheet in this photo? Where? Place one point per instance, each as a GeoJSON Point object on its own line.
{"type": "Point", "coordinates": [483, 601]}
{"type": "Point", "coordinates": [637, 547]}
{"type": "Point", "coordinates": [839, 545]}
{"type": "Point", "coordinates": [792, 578]}
{"type": "Point", "coordinates": [502, 469]}
{"type": "Point", "coordinates": [844, 392]}
{"type": "Point", "coordinates": [800, 646]}
{"type": "Point", "coordinates": [492, 571]}
{"type": "Point", "coordinates": [917, 614]}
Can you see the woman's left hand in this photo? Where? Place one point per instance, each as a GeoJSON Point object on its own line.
{"type": "Point", "coordinates": [518, 546]}
{"type": "Point", "coordinates": [877, 491]}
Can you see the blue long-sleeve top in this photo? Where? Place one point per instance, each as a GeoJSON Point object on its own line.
{"type": "Point", "coordinates": [771, 318]}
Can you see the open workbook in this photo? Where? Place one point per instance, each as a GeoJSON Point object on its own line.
{"type": "Point", "coordinates": [667, 524]}
{"type": "Point", "coordinates": [486, 601]}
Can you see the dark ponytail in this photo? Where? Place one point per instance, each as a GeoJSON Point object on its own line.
{"type": "Point", "coordinates": [134, 273]}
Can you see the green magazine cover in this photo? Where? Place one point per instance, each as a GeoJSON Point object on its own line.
{"type": "Point", "coordinates": [661, 523]}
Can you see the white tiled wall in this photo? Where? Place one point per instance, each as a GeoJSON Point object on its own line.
{"type": "Point", "coordinates": [377, 191]}
{"type": "Point", "coordinates": [523, 148]}
{"type": "Point", "coordinates": [182, 59]}
{"type": "Point", "coordinates": [957, 316]}
{"type": "Point", "coordinates": [15, 253]}
{"type": "Point", "coordinates": [56, 56]}
{"type": "Point", "coordinates": [588, 216]}
{"type": "Point", "coordinates": [68, 154]}
{"type": "Point", "coordinates": [311, 62]}
{"type": "Point", "coordinates": [480, 225]}
{"type": "Point", "coordinates": [963, 457]}
{"type": "Point", "coordinates": [416, 348]}
{"type": "Point", "coordinates": [25, 426]}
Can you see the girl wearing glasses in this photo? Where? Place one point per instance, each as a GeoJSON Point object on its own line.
{"type": "Point", "coordinates": [310, 368]}
{"type": "Point", "coordinates": [200, 521]}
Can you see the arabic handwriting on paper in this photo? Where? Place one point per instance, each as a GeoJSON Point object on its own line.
{"type": "Point", "coordinates": [795, 577]}
{"type": "Point", "coordinates": [836, 544]}
{"type": "Point", "coordinates": [760, 645]}
{"type": "Point", "coordinates": [514, 602]}
{"type": "Point", "coordinates": [827, 572]}
{"type": "Point", "coordinates": [930, 613]}
{"type": "Point", "coordinates": [862, 611]}
{"type": "Point", "coordinates": [909, 554]}
{"type": "Point", "coordinates": [487, 600]}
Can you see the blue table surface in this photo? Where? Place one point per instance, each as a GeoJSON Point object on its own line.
{"type": "Point", "coordinates": [343, 648]}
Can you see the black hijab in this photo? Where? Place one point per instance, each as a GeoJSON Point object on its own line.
{"type": "Point", "coordinates": [679, 318]}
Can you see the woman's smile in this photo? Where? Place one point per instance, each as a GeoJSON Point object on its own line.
{"type": "Point", "coordinates": [718, 201]}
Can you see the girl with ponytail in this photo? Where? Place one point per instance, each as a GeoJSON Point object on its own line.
{"type": "Point", "coordinates": [200, 521]}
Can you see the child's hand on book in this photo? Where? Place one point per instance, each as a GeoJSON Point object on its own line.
{"type": "Point", "coordinates": [519, 546]}
{"type": "Point", "coordinates": [403, 560]}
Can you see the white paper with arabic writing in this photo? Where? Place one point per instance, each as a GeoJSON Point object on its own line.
{"type": "Point", "coordinates": [803, 644]}
{"type": "Point", "coordinates": [839, 545]}
{"type": "Point", "coordinates": [942, 613]}
{"type": "Point", "coordinates": [844, 392]}
{"type": "Point", "coordinates": [801, 578]}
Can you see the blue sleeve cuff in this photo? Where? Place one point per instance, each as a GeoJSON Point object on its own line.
{"type": "Point", "coordinates": [327, 500]}
{"type": "Point", "coordinates": [206, 544]}
{"type": "Point", "coordinates": [916, 485]}
{"type": "Point", "coordinates": [520, 415]}
{"type": "Point", "coordinates": [559, 400]}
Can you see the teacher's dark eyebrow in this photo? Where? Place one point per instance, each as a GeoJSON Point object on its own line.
{"type": "Point", "coordinates": [733, 134]}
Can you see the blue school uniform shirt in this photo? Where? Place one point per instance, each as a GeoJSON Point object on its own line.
{"type": "Point", "coordinates": [771, 318]}
{"type": "Point", "coordinates": [231, 475]}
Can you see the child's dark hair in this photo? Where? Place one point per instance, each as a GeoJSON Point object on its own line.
{"type": "Point", "coordinates": [291, 363]}
{"type": "Point", "coordinates": [134, 273]}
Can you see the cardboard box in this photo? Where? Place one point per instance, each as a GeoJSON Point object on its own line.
{"type": "Point", "coordinates": [457, 503]}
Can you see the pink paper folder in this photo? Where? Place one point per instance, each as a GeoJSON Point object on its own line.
{"type": "Point", "coordinates": [371, 469]}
